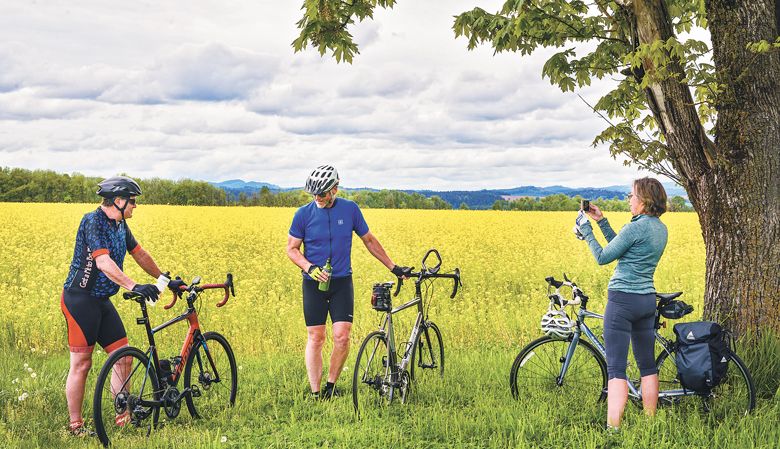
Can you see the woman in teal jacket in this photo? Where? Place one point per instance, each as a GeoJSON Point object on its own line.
{"type": "Point", "coordinates": [630, 311]}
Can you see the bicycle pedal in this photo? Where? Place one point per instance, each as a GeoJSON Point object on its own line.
{"type": "Point", "coordinates": [195, 391]}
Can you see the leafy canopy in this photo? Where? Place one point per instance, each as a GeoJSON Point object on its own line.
{"type": "Point", "coordinates": [597, 39]}
{"type": "Point", "coordinates": [324, 25]}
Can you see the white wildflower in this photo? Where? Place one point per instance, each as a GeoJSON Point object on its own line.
{"type": "Point", "coordinates": [223, 439]}
{"type": "Point", "coordinates": [33, 375]}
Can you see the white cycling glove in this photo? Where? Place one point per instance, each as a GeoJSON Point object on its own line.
{"type": "Point", "coordinates": [581, 220]}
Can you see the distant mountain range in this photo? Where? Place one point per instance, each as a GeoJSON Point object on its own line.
{"type": "Point", "coordinates": [475, 199]}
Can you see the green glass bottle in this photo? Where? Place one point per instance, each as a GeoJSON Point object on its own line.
{"type": "Point", "coordinates": [324, 286]}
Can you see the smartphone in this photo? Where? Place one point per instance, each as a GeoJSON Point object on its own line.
{"type": "Point", "coordinates": [585, 205]}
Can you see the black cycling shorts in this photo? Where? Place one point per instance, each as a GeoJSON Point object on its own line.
{"type": "Point", "coordinates": [91, 320]}
{"type": "Point", "coordinates": [339, 301]}
{"type": "Point", "coordinates": [629, 317]}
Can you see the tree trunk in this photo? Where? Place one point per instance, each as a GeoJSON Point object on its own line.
{"type": "Point", "coordinates": [733, 183]}
{"type": "Point", "coordinates": [741, 219]}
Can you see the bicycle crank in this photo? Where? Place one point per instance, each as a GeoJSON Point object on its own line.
{"type": "Point", "coordinates": [171, 402]}
{"type": "Point", "coordinates": [404, 386]}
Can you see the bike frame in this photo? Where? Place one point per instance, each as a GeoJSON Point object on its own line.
{"type": "Point", "coordinates": [387, 328]}
{"type": "Point", "coordinates": [194, 337]}
{"type": "Point", "coordinates": [583, 328]}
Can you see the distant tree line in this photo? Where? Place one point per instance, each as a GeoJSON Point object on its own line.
{"type": "Point", "coordinates": [21, 185]}
{"type": "Point", "coordinates": [46, 186]}
{"type": "Point", "coordinates": [563, 202]}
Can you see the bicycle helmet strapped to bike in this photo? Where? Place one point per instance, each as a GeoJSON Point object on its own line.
{"type": "Point", "coordinates": [121, 186]}
{"type": "Point", "coordinates": [556, 323]}
{"type": "Point", "coordinates": [321, 180]}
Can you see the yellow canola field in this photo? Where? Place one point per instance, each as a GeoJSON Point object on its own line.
{"type": "Point", "coordinates": [503, 256]}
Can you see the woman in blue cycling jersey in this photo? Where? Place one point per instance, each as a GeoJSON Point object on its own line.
{"type": "Point", "coordinates": [630, 311]}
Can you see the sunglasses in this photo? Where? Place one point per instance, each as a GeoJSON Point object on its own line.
{"type": "Point", "coordinates": [629, 196]}
{"type": "Point", "coordinates": [131, 201]}
{"type": "Point", "coordinates": [322, 195]}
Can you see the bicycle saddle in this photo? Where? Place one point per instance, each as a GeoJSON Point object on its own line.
{"type": "Point", "coordinates": [668, 296]}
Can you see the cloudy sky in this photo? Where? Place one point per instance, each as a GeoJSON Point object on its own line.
{"type": "Point", "coordinates": [211, 90]}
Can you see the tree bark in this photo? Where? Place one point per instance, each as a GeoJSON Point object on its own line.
{"type": "Point", "coordinates": [741, 228]}
{"type": "Point", "coordinates": [734, 182]}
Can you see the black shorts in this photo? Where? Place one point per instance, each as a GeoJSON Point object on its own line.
{"type": "Point", "coordinates": [339, 301]}
{"type": "Point", "coordinates": [91, 320]}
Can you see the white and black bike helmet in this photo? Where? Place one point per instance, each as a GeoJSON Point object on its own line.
{"type": "Point", "coordinates": [556, 323]}
{"type": "Point", "coordinates": [322, 179]}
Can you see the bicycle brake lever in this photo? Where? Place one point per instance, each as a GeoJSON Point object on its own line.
{"type": "Point", "coordinates": [398, 286]}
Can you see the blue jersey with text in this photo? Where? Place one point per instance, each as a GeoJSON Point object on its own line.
{"type": "Point", "coordinates": [98, 235]}
{"type": "Point", "coordinates": [327, 233]}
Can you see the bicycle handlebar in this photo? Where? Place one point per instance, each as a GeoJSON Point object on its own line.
{"type": "Point", "coordinates": [579, 295]}
{"type": "Point", "coordinates": [194, 288]}
{"type": "Point", "coordinates": [227, 286]}
{"type": "Point", "coordinates": [426, 274]}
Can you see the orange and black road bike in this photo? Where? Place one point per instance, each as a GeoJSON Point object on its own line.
{"type": "Point", "coordinates": [134, 385]}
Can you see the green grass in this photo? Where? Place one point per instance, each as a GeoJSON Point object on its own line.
{"type": "Point", "coordinates": [470, 407]}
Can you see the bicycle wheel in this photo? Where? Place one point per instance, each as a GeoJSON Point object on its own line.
{"type": "Point", "coordinates": [212, 375]}
{"type": "Point", "coordinates": [537, 368]}
{"type": "Point", "coordinates": [429, 351]}
{"type": "Point", "coordinates": [735, 396]}
{"type": "Point", "coordinates": [371, 381]}
{"type": "Point", "coordinates": [126, 379]}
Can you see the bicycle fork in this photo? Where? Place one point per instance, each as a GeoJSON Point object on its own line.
{"type": "Point", "coordinates": [566, 360]}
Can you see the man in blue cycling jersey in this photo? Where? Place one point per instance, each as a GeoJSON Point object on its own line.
{"type": "Point", "coordinates": [325, 228]}
{"type": "Point", "coordinates": [102, 241]}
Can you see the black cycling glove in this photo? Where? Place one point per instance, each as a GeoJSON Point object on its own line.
{"type": "Point", "coordinates": [175, 285]}
{"type": "Point", "coordinates": [402, 271]}
{"type": "Point", "coordinates": [148, 291]}
{"type": "Point", "coordinates": [315, 271]}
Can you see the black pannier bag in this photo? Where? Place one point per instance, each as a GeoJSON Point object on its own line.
{"type": "Point", "coordinates": [702, 355]}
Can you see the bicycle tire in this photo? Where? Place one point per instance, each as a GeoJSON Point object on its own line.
{"type": "Point", "coordinates": [738, 385]}
{"type": "Point", "coordinates": [106, 404]}
{"type": "Point", "coordinates": [214, 395]}
{"type": "Point", "coordinates": [370, 381]}
{"type": "Point", "coordinates": [545, 367]}
{"type": "Point", "coordinates": [426, 350]}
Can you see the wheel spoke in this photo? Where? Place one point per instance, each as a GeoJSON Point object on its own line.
{"type": "Point", "coordinates": [540, 364]}
{"type": "Point", "coordinates": [210, 398]}
{"type": "Point", "coordinates": [122, 384]}
{"type": "Point", "coordinates": [372, 373]}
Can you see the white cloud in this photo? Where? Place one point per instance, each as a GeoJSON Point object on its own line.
{"type": "Point", "coordinates": [211, 72]}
